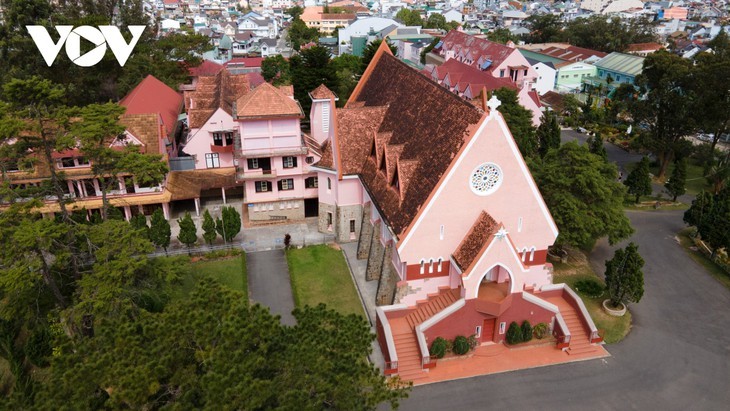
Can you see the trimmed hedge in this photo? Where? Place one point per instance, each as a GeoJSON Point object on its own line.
{"type": "Point", "coordinates": [461, 345]}
{"type": "Point", "coordinates": [590, 288]}
{"type": "Point", "coordinates": [540, 330]}
{"type": "Point", "coordinates": [514, 334]}
{"type": "Point", "coordinates": [526, 331]}
{"type": "Point", "coordinates": [438, 347]}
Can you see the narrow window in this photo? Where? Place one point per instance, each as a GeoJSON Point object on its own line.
{"type": "Point", "coordinates": [524, 253]}
{"type": "Point", "coordinates": [229, 139]}
{"type": "Point", "coordinates": [329, 184]}
{"type": "Point", "coordinates": [502, 327]}
{"type": "Point", "coordinates": [329, 221]}
{"type": "Point", "coordinates": [478, 331]}
{"type": "Point", "coordinates": [532, 253]}
{"type": "Point", "coordinates": [441, 232]}
{"type": "Point", "coordinates": [422, 262]}
{"type": "Point", "coordinates": [519, 224]}
{"type": "Point", "coordinates": [289, 161]}
{"type": "Point", "coordinates": [430, 266]}
{"type": "Point", "coordinates": [352, 226]}
{"type": "Point", "coordinates": [253, 163]}
{"type": "Point", "coordinates": [441, 260]}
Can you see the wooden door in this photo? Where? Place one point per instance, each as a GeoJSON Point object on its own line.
{"type": "Point", "coordinates": [488, 329]}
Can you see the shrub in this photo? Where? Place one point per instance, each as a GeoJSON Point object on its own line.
{"type": "Point", "coordinates": [591, 288]}
{"type": "Point", "coordinates": [438, 347]}
{"type": "Point", "coordinates": [526, 331]}
{"type": "Point", "coordinates": [514, 334]}
{"type": "Point", "coordinates": [540, 330]}
{"type": "Point", "coordinates": [473, 342]}
{"type": "Point", "coordinates": [38, 348]}
{"type": "Point", "coordinates": [287, 241]}
{"type": "Point", "coordinates": [461, 345]}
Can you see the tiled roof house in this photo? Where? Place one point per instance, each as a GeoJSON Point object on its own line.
{"type": "Point", "coordinates": [442, 206]}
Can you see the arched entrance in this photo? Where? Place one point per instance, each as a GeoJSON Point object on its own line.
{"type": "Point", "coordinates": [496, 281]}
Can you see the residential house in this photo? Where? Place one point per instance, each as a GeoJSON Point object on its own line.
{"type": "Point", "coordinates": [403, 152]}
{"type": "Point", "coordinates": [546, 75]}
{"type": "Point", "coordinates": [326, 22]}
{"type": "Point", "coordinates": [643, 49]}
{"type": "Point", "coordinates": [259, 26]}
{"type": "Point", "coordinates": [361, 27]}
{"type": "Point", "coordinates": [615, 69]}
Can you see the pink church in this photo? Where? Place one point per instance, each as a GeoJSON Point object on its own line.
{"type": "Point", "coordinates": [445, 211]}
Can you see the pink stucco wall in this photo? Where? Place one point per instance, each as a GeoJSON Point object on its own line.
{"type": "Point", "coordinates": [516, 59]}
{"type": "Point", "coordinates": [199, 141]}
{"type": "Point", "coordinates": [527, 102]}
{"type": "Point", "coordinates": [263, 136]}
{"type": "Point", "coordinates": [320, 129]}
{"type": "Point", "coordinates": [517, 199]}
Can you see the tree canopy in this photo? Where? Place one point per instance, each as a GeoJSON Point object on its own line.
{"type": "Point", "coordinates": [624, 276]}
{"type": "Point", "coordinates": [519, 121]}
{"type": "Point", "coordinates": [583, 195]}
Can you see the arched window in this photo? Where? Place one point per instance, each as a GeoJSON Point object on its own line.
{"type": "Point", "coordinates": [329, 183]}
{"type": "Point", "coordinates": [430, 266]}
{"type": "Point", "coordinates": [422, 262]}
{"type": "Point", "coordinates": [524, 254]}
{"type": "Point", "coordinates": [532, 253]}
{"type": "Point", "coordinates": [441, 260]}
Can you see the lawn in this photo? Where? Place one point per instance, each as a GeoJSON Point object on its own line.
{"type": "Point", "coordinates": [715, 270]}
{"type": "Point", "coordinates": [230, 272]}
{"type": "Point", "coordinates": [319, 274]}
{"type": "Point", "coordinates": [696, 181]}
{"type": "Point", "coordinates": [614, 328]}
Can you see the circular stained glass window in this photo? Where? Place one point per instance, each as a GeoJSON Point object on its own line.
{"type": "Point", "coordinates": [486, 179]}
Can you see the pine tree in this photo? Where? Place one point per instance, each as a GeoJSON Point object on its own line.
{"type": "Point", "coordinates": [595, 146]}
{"type": "Point", "coordinates": [139, 222]}
{"type": "Point", "coordinates": [676, 183]}
{"type": "Point", "coordinates": [639, 181]}
{"type": "Point", "coordinates": [624, 278]}
{"type": "Point", "coordinates": [548, 133]}
{"type": "Point", "coordinates": [230, 224]}
{"type": "Point", "coordinates": [160, 230]}
{"type": "Point", "coordinates": [514, 334]}
{"type": "Point", "coordinates": [701, 206]}
{"type": "Point", "coordinates": [188, 232]}
{"type": "Point", "coordinates": [209, 233]}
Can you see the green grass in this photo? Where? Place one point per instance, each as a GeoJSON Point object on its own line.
{"type": "Point", "coordinates": [231, 272]}
{"type": "Point", "coordinates": [319, 274]}
{"type": "Point", "coordinates": [696, 181]}
{"type": "Point", "coordinates": [715, 270]}
{"type": "Point", "coordinates": [614, 328]}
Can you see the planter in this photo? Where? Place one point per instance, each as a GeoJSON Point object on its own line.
{"type": "Point", "coordinates": [613, 311]}
{"type": "Point", "coordinates": [558, 255]}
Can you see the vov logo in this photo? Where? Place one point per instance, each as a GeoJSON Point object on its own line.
{"type": "Point", "coordinates": [71, 37]}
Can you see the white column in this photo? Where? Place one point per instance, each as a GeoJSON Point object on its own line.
{"type": "Point", "coordinates": [223, 191]}
{"type": "Point", "coordinates": [197, 206]}
{"type": "Point", "coordinates": [127, 213]}
{"type": "Point", "coordinates": [166, 210]}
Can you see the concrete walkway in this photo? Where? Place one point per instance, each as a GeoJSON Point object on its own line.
{"type": "Point", "coordinates": [269, 284]}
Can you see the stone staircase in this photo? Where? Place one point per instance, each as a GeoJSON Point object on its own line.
{"type": "Point", "coordinates": [579, 337]}
{"type": "Point", "coordinates": [428, 308]}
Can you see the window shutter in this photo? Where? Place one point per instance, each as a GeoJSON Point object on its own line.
{"type": "Point", "coordinates": [250, 163]}
{"type": "Point", "coordinates": [268, 186]}
{"type": "Point", "coordinates": [295, 161]}
{"type": "Point", "coordinates": [278, 185]}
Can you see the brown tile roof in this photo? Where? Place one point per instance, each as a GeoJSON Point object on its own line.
{"type": "Point", "coordinates": [267, 101]}
{"type": "Point", "coordinates": [418, 125]}
{"type": "Point", "coordinates": [287, 90]}
{"type": "Point", "coordinates": [213, 92]}
{"type": "Point", "coordinates": [476, 49]}
{"type": "Point", "coordinates": [146, 128]}
{"type": "Point", "coordinates": [644, 47]}
{"type": "Point", "coordinates": [475, 239]}
{"type": "Point", "coordinates": [184, 185]}
{"type": "Point", "coordinates": [572, 53]}
{"type": "Point", "coordinates": [206, 68]}
{"type": "Point", "coordinates": [322, 93]}
{"type": "Point", "coordinates": [553, 100]}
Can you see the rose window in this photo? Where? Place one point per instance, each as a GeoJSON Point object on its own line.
{"type": "Point", "coordinates": [486, 179]}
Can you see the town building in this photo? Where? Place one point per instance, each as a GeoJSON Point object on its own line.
{"type": "Point", "coordinates": [326, 22]}
{"type": "Point", "coordinates": [443, 207]}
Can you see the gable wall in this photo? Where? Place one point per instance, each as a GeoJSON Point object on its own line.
{"type": "Point", "coordinates": [199, 143]}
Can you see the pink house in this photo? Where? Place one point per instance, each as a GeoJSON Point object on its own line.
{"type": "Point", "coordinates": [445, 211]}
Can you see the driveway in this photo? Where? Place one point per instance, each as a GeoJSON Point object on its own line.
{"type": "Point", "coordinates": [269, 284]}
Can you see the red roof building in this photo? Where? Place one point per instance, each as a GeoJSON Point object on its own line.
{"type": "Point", "coordinates": [154, 96]}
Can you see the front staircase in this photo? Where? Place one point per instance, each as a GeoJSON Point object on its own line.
{"type": "Point", "coordinates": [404, 333]}
{"type": "Point", "coordinates": [580, 339]}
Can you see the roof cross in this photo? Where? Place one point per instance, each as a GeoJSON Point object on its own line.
{"type": "Point", "coordinates": [493, 104]}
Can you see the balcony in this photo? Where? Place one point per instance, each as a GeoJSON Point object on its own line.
{"type": "Point", "coordinates": [255, 174]}
{"type": "Point", "coordinates": [221, 149]}
{"type": "Point", "coordinates": [493, 298]}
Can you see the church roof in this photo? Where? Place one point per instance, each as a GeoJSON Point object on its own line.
{"type": "Point", "coordinates": [416, 128]}
{"type": "Point", "coordinates": [322, 93]}
{"type": "Point", "coordinates": [475, 239]}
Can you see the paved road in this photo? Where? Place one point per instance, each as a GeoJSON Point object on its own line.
{"type": "Point", "coordinates": [677, 356]}
{"type": "Point", "coordinates": [268, 283]}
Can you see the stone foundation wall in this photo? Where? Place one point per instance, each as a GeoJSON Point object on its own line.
{"type": "Point", "coordinates": [325, 208]}
{"type": "Point", "coordinates": [375, 257]}
{"type": "Point", "coordinates": [388, 282]}
{"type": "Point", "coordinates": [280, 210]}
{"type": "Point", "coordinates": [345, 214]}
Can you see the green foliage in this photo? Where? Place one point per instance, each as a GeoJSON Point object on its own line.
{"type": "Point", "coordinates": [715, 225]}
{"type": "Point", "coordinates": [139, 222]}
{"type": "Point", "coordinates": [438, 347]}
{"type": "Point", "coordinates": [519, 121]}
{"type": "Point", "coordinates": [188, 231]}
{"type": "Point", "coordinates": [460, 345]}
{"type": "Point", "coordinates": [583, 196]}
{"type": "Point", "coordinates": [699, 210]}
{"type": "Point", "coordinates": [624, 277]}
{"type": "Point", "coordinates": [548, 133]}
{"type": "Point", "coordinates": [300, 34]}
{"type": "Point", "coordinates": [599, 33]}
{"type": "Point", "coordinates": [540, 330]}
{"type": "Point", "coordinates": [595, 146]}
{"type": "Point", "coordinates": [38, 349]}
{"type": "Point", "coordinates": [639, 180]}
{"type": "Point", "coordinates": [309, 69]}
{"type": "Point", "coordinates": [544, 28]}
{"type": "Point", "coordinates": [276, 70]}
{"type": "Point", "coordinates": [676, 185]}
{"type": "Point", "coordinates": [372, 47]}
{"type": "Point", "coordinates": [230, 225]}
{"type": "Point", "coordinates": [591, 288]}
{"type": "Point", "coordinates": [428, 49]}
{"type": "Point", "coordinates": [502, 35]}
{"type": "Point", "coordinates": [411, 17]}
{"type": "Point", "coordinates": [295, 12]}
{"type": "Point", "coordinates": [245, 359]}
{"type": "Point", "coordinates": [514, 334]}
{"type": "Point", "coordinates": [209, 232]}
{"type": "Point", "coordinates": [160, 230]}
{"type": "Point", "coordinates": [526, 329]}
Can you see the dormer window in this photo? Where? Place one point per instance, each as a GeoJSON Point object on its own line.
{"type": "Point", "coordinates": [383, 167]}
{"type": "Point", "coordinates": [395, 182]}
{"type": "Point", "coordinates": [372, 150]}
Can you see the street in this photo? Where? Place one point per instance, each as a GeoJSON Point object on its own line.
{"type": "Point", "coordinates": [676, 357]}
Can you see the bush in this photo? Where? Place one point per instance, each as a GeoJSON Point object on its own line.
{"type": "Point", "coordinates": [473, 342]}
{"type": "Point", "coordinates": [540, 330]}
{"type": "Point", "coordinates": [590, 288]}
{"type": "Point", "coordinates": [461, 345]}
{"type": "Point", "coordinates": [514, 334]}
{"type": "Point", "coordinates": [38, 348]}
{"type": "Point", "coordinates": [526, 331]}
{"type": "Point", "coordinates": [438, 347]}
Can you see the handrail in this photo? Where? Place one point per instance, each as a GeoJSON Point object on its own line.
{"type": "Point", "coordinates": [581, 307]}
{"type": "Point", "coordinates": [421, 337]}
{"type": "Point", "coordinates": [380, 312]}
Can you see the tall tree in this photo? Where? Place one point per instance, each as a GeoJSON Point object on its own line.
{"type": "Point", "coordinates": [299, 34]}
{"type": "Point", "coordinates": [188, 231]}
{"type": "Point", "coordinates": [229, 225]}
{"type": "Point", "coordinates": [667, 108]}
{"type": "Point", "coordinates": [624, 276]}
{"type": "Point", "coordinates": [544, 28]}
{"type": "Point", "coordinates": [434, 21]}
{"type": "Point", "coordinates": [715, 227]}
{"type": "Point", "coordinates": [548, 133]}
{"type": "Point", "coordinates": [710, 80]}
{"type": "Point", "coordinates": [209, 233]}
{"type": "Point", "coordinates": [309, 69]}
{"type": "Point", "coordinates": [160, 230]}
{"type": "Point", "coordinates": [139, 223]}
{"type": "Point", "coordinates": [583, 196]}
{"type": "Point", "coordinates": [502, 35]}
{"type": "Point", "coordinates": [699, 209]}
{"type": "Point", "coordinates": [595, 146]}
{"type": "Point", "coordinates": [410, 17]}
{"type": "Point", "coordinates": [676, 185]}
{"type": "Point", "coordinates": [275, 70]}
{"type": "Point", "coordinates": [372, 47]}
{"type": "Point", "coordinates": [519, 121]}
{"type": "Point", "coordinates": [639, 180]}
{"type": "Point", "coordinates": [612, 34]}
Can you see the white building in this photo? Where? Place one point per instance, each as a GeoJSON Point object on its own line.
{"type": "Point", "coordinates": [546, 73]}
{"type": "Point", "coordinates": [361, 27]}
